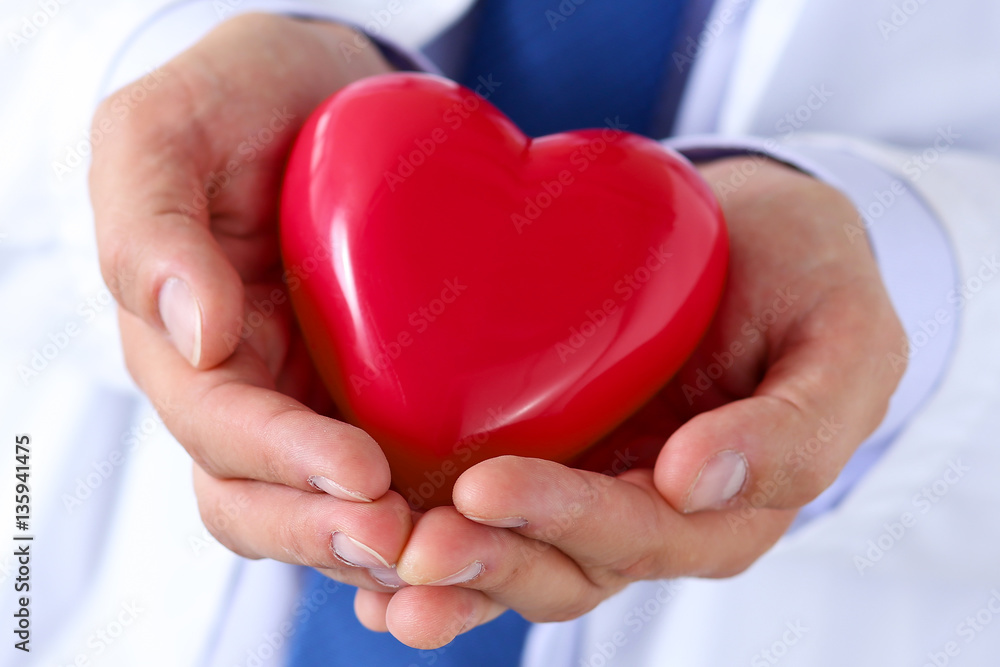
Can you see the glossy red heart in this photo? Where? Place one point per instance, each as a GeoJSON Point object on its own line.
{"type": "Point", "coordinates": [467, 292]}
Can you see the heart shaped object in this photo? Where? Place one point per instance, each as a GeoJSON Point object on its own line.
{"type": "Point", "coordinates": [468, 292]}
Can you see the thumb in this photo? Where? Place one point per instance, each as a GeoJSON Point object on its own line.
{"type": "Point", "coordinates": [785, 444]}
{"type": "Point", "coordinates": [157, 252]}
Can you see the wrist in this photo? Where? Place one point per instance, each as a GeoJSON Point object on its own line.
{"type": "Point", "coordinates": [744, 183]}
{"type": "Point", "coordinates": [729, 176]}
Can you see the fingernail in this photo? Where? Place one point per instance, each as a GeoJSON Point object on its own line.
{"type": "Point", "coordinates": [466, 574]}
{"type": "Point", "coordinates": [721, 479]}
{"type": "Point", "coordinates": [509, 522]}
{"type": "Point", "coordinates": [336, 490]}
{"type": "Point", "coordinates": [387, 577]}
{"type": "Point", "coordinates": [352, 552]}
{"type": "Point", "coordinates": [181, 315]}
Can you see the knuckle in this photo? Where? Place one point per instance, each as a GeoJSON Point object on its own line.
{"type": "Point", "coordinates": [220, 525]}
{"type": "Point", "coordinates": [800, 486]}
{"type": "Point", "coordinates": [204, 462]}
{"type": "Point", "coordinates": [299, 540]}
{"type": "Point", "coordinates": [646, 557]}
{"type": "Point", "coordinates": [740, 559]}
{"type": "Point", "coordinates": [584, 496]}
{"type": "Point", "coordinates": [119, 255]}
{"type": "Point", "coordinates": [276, 445]}
{"type": "Point", "coordinates": [191, 429]}
{"type": "Point", "coordinates": [125, 115]}
{"type": "Point", "coordinates": [573, 608]}
{"type": "Point", "coordinates": [144, 114]}
{"type": "Point", "coordinates": [736, 564]}
{"type": "Point", "coordinates": [511, 573]}
{"type": "Point", "coordinates": [260, 451]}
{"type": "Point", "coordinates": [638, 568]}
{"type": "Point", "coordinates": [809, 483]}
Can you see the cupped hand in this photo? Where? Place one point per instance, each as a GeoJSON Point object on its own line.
{"type": "Point", "coordinates": [789, 380]}
{"type": "Point", "coordinates": [185, 194]}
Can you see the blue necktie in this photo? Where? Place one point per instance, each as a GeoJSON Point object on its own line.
{"type": "Point", "coordinates": [327, 634]}
{"type": "Point", "coordinates": [561, 66]}
{"type": "Point", "coordinates": [569, 64]}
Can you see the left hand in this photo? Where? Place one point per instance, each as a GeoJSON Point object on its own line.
{"type": "Point", "coordinates": [185, 193]}
{"type": "Point", "coordinates": [787, 383]}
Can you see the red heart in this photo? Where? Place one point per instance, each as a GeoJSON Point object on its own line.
{"type": "Point", "coordinates": [467, 292]}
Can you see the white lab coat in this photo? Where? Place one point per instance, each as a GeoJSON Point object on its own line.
{"type": "Point", "coordinates": [125, 574]}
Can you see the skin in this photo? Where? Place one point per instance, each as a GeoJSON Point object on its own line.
{"type": "Point", "coordinates": [252, 415]}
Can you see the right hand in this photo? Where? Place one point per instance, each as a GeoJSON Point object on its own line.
{"type": "Point", "coordinates": [185, 194]}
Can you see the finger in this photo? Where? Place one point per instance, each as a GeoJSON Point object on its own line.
{"type": "Point", "coordinates": [235, 425]}
{"type": "Point", "coordinates": [370, 608]}
{"type": "Point", "coordinates": [161, 187]}
{"type": "Point", "coordinates": [357, 543]}
{"type": "Point", "coordinates": [431, 617]}
{"type": "Point", "coordinates": [617, 529]}
{"type": "Point", "coordinates": [807, 364]}
{"type": "Point", "coordinates": [542, 583]}
{"type": "Point", "coordinates": [158, 255]}
{"type": "Point", "coordinates": [785, 444]}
